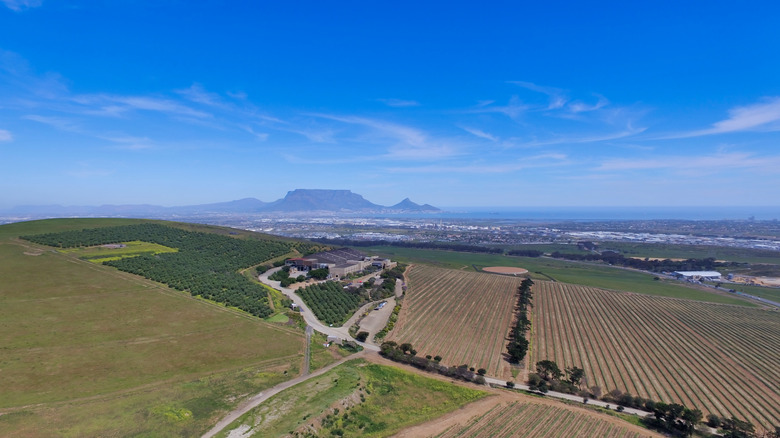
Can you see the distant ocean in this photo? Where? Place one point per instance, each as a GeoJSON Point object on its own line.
{"type": "Point", "coordinates": [604, 213]}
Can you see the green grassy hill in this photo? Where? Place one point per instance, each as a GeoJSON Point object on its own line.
{"type": "Point", "coordinates": [88, 350]}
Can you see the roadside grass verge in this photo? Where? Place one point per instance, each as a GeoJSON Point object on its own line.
{"type": "Point", "coordinates": [322, 356]}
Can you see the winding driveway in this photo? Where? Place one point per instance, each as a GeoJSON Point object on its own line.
{"type": "Point", "coordinates": [311, 320]}
{"type": "Point", "coordinates": [343, 332]}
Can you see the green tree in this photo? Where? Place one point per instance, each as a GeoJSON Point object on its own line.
{"type": "Point", "coordinates": [537, 383]}
{"type": "Point", "coordinates": [548, 369]}
{"type": "Point", "coordinates": [319, 274]}
{"type": "Point", "coordinates": [575, 375]}
{"type": "Point", "coordinates": [736, 428]}
{"type": "Point", "coordinates": [713, 421]}
{"type": "Point", "coordinates": [690, 418]}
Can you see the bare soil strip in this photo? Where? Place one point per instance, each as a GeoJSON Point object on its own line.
{"type": "Point", "coordinates": [505, 270]}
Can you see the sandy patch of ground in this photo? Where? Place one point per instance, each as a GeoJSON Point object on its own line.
{"type": "Point", "coordinates": [33, 253]}
{"type": "Point", "coordinates": [376, 320]}
{"type": "Point", "coordinates": [758, 281]}
{"type": "Point", "coordinates": [505, 270]}
{"type": "Point", "coordinates": [658, 259]}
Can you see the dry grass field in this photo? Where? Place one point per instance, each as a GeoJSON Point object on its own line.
{"type": "Point", "coordinates": [721, 359]}
{"type": "Point", "coordinates": [464, 317]}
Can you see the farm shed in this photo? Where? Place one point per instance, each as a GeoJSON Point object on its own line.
{"type": "Point", "coordinates": [698, 275]}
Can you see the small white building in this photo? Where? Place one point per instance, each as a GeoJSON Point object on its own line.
{"type": "Point", "coordinates": [698, 275]}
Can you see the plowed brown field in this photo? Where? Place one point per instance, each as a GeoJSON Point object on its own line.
{"type": "Point", "coordinates": [464, 317]}
{"type": "Point", "coordinates": [721, 359]}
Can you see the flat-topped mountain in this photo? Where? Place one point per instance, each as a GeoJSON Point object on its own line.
{"type": "Point", "coordinates": [322, 200]}
{"type": "Point", "coordinates": [299, 201]}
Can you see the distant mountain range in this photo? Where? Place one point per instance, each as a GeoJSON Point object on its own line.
{"type": "Point", "coordinates": [299, 201]}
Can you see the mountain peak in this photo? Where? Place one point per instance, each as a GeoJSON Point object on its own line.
{"type": "Point", "coordinates": [408, 205]}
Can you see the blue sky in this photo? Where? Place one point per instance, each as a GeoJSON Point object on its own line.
{"type": "Point", "coordinates": [454, 104]}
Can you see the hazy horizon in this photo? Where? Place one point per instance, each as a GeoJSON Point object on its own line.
{"type": "Point", "coordinates": [497, 105]}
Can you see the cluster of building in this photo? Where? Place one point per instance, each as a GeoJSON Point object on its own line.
{"type": "Point", "coordinates": [339, 262]}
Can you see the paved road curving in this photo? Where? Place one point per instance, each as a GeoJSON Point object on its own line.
{"type": "Point", "coordinates": [308, 316]}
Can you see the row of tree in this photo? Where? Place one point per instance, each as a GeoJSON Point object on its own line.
{"type": "Point", "coordinates": [518, 344]}
{"type": "Point", "coordinates": [405, 353]}
{"type": "Point", "coordinates": [330, 302]}
{"type": "Point", "coordinates": [205, 265]}
{"type": "Point", "coordinates": [646, 264]}
{"type": "Point", "coordinates": [549, 377]}
{"type": "Point", "coordinates": [446, 246]}
{"type": "Point", "coordinates": [672, 418]}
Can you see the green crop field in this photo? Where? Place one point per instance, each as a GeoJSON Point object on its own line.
{"type": "Point", "coordinates": [101, 253]}
{"type": "Point", "coordinates": [770, 293]}
{"type": "Point", "coordinates": [91, 351]}
{"type": "Point", "coordinates": [354, 399]}
{"type": "Point", "coordinates": [671, 251]}
{"type": "Point", "coordinates": [586, 274]}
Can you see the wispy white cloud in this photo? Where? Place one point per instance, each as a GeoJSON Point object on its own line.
{"type": "Point", "coordinates": [261, 136]}
{"type": "Point", "coordinates": [513, 109]}
{"type": "Point", "coordinates": [759, 116]}
{"type": "Point", "coordinates": [336, 160]}
{"type": "Point", "coordinates": [486, 168]}
{"type": "Point", "coordinates": [122, 141]}
{"type": "Point", "coordinates": [479, 133]}
{"type": "Point", "coordinates": [129, 142]}
{"type": "Point", "coordinates": [627, 132]}
{"type": "Point", "coordinates": [20, 5]}
{"type": "Point", "coordinates": [714, 163]}
{"type": "Point", "coordinates": [239, 95]}
{"type": "Point", "coordinates": [399, 103]}
{"type": "Point", "coordinates": [61, 123]}
{"type": "Point", "coordinates": [117, 105]}
{"type": "Point", "coordinates": [196, 93]}
{"type": "Point", "coordinates": [557, 96]}
{"type": "Point", "coordinates": [579, 107]}
{"type": "Point", "coordinates": [5, 135]}
{"type": "Point", "coordinates": [402, 142]}
{"type": "Point", "coordinates": [15, 72]}
{"type": "Point", "coordinates": [314, 134]}
{"type": "Point", "coordinates": [431, 151]}
{"type": "Point", "coordinates": [405, 134]}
